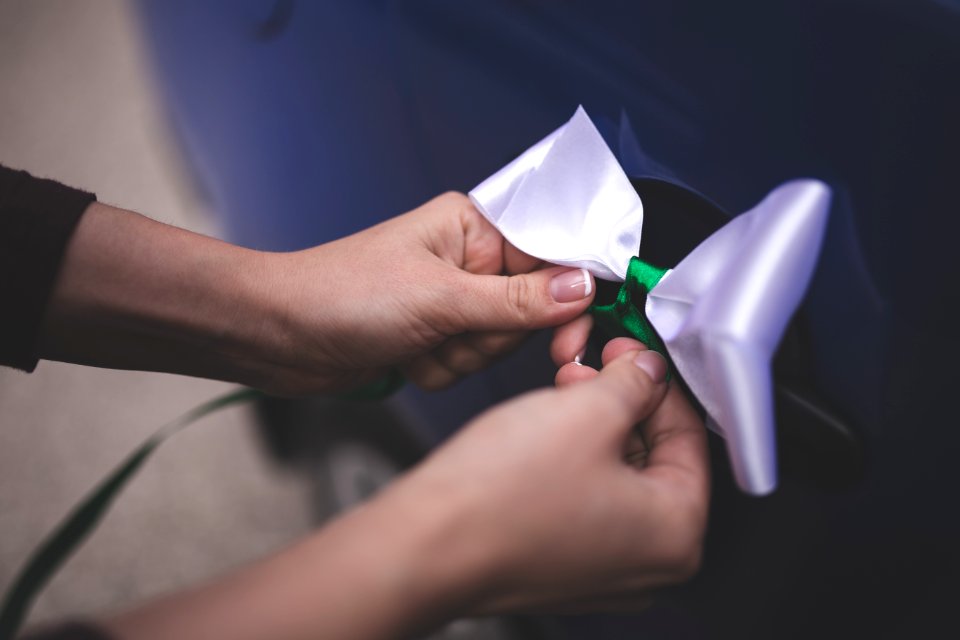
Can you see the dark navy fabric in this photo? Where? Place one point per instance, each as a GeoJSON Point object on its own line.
{"type": "Point", "coordinates": [306, 121]}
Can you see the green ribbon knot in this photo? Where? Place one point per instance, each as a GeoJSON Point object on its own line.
{"type": "Point", "coordinates": [625, 315]}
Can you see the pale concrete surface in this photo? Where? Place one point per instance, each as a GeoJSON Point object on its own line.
{"type": "Point", "coordinates": [77, 105]}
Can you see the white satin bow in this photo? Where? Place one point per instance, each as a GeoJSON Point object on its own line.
{"type": "Point", "coordinates": [721, 312]}
{"type": "Point", "coordinates": [567, 201]}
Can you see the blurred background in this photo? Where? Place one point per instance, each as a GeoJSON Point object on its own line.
{"type": "Point", "coordinates": [78, 103]}
{"type": "Point", "coordinates": [279, 124]}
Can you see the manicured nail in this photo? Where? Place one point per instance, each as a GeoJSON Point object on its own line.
{"type": "Point", "coordinates": [653, 364]}
{"type": "Point", "coordinates": [571, 285]}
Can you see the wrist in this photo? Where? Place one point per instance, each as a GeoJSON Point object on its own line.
{"type": "Point", "coordinates": [451, 539]}
{"type": "Point", "coordinates": [417, 558]}
{"type": "Point", "coordinates": [278, 340]}
{"type": "Point", "coordinates": [253, 336]}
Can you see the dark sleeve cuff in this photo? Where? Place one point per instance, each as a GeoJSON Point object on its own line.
{"type": "Point", "coordinates": [37, 218]}
{"type": "Point", "coordinates": [68, 631]}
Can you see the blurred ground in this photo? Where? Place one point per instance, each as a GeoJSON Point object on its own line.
{"type": "Point", "coordinates": [77, 105]}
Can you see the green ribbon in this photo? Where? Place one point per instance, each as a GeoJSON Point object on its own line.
{"type": "Point", "coordinates": [80, 523]}
{"type": "Point", "coordinates": [625, 315]}
{"type": "Point", "coordinates": [378, 389]}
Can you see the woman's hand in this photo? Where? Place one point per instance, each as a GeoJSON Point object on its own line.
{"type": "Point", "coordinates": [575, 499]}
{"type": "Point", "coordinates": [582, 498]}
{"type": "Point", "coordinates": [437, 291]}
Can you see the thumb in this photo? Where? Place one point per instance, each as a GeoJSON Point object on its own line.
{"type": "Point", "coordinates": [534, 300]}
{"type": "Point", "coordinates": [627, 390]}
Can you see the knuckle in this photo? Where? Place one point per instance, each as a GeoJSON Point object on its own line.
{"type": "Point", "coordinates": [428, 375]}
{"type": "Point", "coordinates": [683, 540]}
{"type": "Point", "coordinates": [520, 296]}
{"type": "Point", "coordinates": [687, 566]}
{"type": "Point", "coordinates": [492, 344]}
{"type": "Point", "coordinates": [435, 380]}
{"type": "Point", "coordinates": [447, 317]}
{"type": "Point", "coordinates": [613, 407]}
{"type": "Point", "coordinates": [631, 391]}
{"type": "Point", "coordinates": [452, 199]}
{"type": "Point", "coordinates": [462, 358]}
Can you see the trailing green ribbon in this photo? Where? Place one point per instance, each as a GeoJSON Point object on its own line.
{"type": "Point", "coordinates": [78, 525]}
{"type": "Point", "coordinates": [379, 389]}
{"type": "Point", "coordinates": [625, 316]}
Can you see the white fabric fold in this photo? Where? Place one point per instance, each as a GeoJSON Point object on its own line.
{"type": "Point", "coordinates": [567, 201]}
{"type": "Point", "coordinates": [721, 312]}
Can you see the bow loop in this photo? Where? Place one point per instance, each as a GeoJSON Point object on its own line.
{"type": "Point", "coordinates": [567, 201]}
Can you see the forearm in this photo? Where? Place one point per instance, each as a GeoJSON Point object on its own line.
{"type": "Point", "coordinates": [138, 294]}
{"type": "Point", "coordinates": [383, 571]}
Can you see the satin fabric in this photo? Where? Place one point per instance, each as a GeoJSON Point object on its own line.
{"type": "Point", "coordinates": [567, 201]}
{"type": "Point", "coordinates": [720, 313]}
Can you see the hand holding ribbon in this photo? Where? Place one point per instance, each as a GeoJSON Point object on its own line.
{"type": "Point", "coordinates": [436, 293]}
{"type": "Point", "coordinates": [719, 313]}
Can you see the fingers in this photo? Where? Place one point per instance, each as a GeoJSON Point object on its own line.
{"type": "Point", "coordinates": [562, 346]}
{"type": "Point", "coordinates": [429, 372]}
{"type": "Point", "coordinates": [461, 356]}
{"type": "Point", "coordinates": [674, 434]}
{"type": "Point", "coordinates": [485, 251]}
{"type": "Point", "coordinates": [570, 340]}
{"type": "Point", "coordinates": [542, 298]}
{"type": "Point", "coordinates": [636, 450]}
{"type": "Point", "coordinates": [677, 443]}
{"type": "Point", "coordinates": [571, 373]}
{"type": "Point", "coordinates": [479, 232]}
{"type": "Point", "coordinates": [471, 352]}
{"type": "Point", "coordinates": [475, 298]}
{"type": "Point", "coordinates": [627, 390]}
{"type": "Point", "coordinates": [516, 261]}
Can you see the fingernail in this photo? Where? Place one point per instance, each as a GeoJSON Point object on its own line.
{"type": "Point", "coordinates": [653, 364]}
{"type": "Point", "coordinates": [571, 285]}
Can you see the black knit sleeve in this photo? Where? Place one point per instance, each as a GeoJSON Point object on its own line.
{"type": "Point", "coordinates": [37, 218]}
{"type": "Point", "coordinates": [68, 631]}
